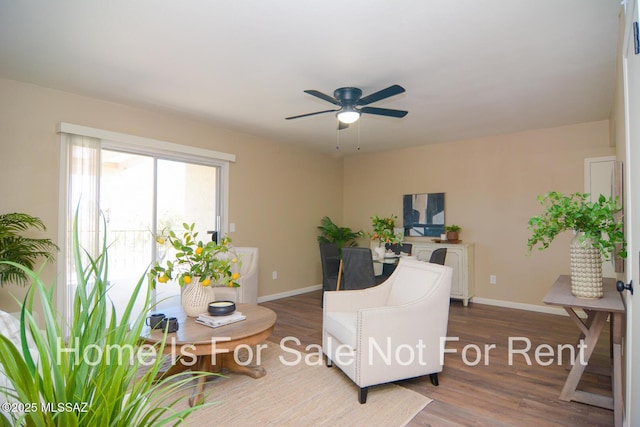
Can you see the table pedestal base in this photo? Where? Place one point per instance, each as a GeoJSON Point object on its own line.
{"type": "Point", "coordinates": [204, 363]}
{"type": "Point", "coordinates": [225, 362]}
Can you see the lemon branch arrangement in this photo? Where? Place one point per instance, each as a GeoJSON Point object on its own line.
{"type": "Point", "coordinates": [210, 263]}
{"type": "Point", "coordinates": [384, 230]}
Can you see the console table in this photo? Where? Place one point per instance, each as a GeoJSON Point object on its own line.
{"type": "Point", "coordinates": [597, 311]}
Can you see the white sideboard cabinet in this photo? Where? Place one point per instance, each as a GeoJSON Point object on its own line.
{"type": "Point", "coordinates": [459, 258]}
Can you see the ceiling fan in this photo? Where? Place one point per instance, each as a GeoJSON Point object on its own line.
{"type": "Point", "coordinates": [352, 105]}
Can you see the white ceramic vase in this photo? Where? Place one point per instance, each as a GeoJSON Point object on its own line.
{"type": "Point", "coordinates": [380, 251]}
{"type": "Point", "coordinates": [195, 298]}
{"type": "Point", "coordinates": [586, 268]}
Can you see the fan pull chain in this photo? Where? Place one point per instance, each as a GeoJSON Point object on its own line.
{"type": "Point", "coordinates": [338, 136]}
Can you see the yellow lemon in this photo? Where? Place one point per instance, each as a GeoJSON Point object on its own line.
{"type": "Point", "coordinates": [206, 282]}
{"type": "Point", "coordinates": [163, 279]}
{"type": "Point", "coordinates": [198, 250]}
{"type": "Point", "coordinates": [160, 241]}
{"type": "Point", "coordinates": [234, 260]}
{"type": "Point", "coordinates": [186, 279]}
{"type": "Point", "coordinates": [235, 276]}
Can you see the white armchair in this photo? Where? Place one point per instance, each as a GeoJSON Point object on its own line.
{"type": "Point", "coordinates": [248, 290]}
{"type": "Point", "coordinates": [392, 331]}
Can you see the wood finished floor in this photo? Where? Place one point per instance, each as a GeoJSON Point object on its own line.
{"type": "Point", "coordinates": [496, 394]}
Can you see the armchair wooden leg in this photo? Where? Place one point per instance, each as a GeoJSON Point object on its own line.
{"type": "Point", "coordinates": [362, 395]}
{"type": "Point", "coordinates": [434, 379]}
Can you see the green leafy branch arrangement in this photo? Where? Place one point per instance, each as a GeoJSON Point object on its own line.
{"type": "Point", "coordinates": [597, 220]}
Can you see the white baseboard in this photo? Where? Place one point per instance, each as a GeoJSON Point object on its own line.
{"type": "Point", "coordinates": [476, 300]}
{"type": "Point", "coordinates": [520, 306]}
{"type": "Point", "coordinates": [289, 293]}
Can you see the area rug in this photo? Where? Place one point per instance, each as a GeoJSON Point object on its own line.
{"type": "Point", "coordinates": [303, 394]}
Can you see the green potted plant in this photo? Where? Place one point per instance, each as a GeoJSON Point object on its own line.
{"type": "Point", "coordinates": [19, 249]}
{"type": "Point", "coordinates": [341, 236]}
{"type": "Point", "coordinates": [598, 232]}
{"type": "Point", "coordinates": [196, 266]}
{"type": "Point", "coordinates": [93, 370]}
{"type": "Point", "coordinates": [453, 232]}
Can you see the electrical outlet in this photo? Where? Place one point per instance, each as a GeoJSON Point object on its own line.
{"type": "Point", "coordinates": [274, 275]}
{"type": "Point", "coordinates": [492, 279]}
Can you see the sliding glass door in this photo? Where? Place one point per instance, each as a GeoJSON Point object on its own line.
{"type": "Point", "coordinates": [141, 195]}
{"type": "Point", "coordinates": [186, 193]}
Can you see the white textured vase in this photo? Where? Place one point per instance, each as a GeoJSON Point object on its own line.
{"type": "Point", "coordinates": [586, 268]}
{"type": "Point", "coordinates": [380, 251]}
{"type": "Point", "coordinates": [195, 298]}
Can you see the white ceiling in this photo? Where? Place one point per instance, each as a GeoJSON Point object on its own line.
{"type": "Point", "coordinates": [470, 68]}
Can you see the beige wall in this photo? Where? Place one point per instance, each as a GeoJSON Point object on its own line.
{"type": "Point", "coordinates": [490, 187]}
{"type": "Point", "coordinates": [279, 193]}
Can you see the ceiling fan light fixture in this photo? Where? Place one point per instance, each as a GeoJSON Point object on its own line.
{"type": "Point", "coordinates": [348, 115]}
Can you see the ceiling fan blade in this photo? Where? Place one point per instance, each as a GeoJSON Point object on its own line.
{"type": "Point", "coordinates": [381, 94]}
{"type": "Point", "coordinates": [384, 111]}
{"type": "Point", "coordinates": [311, 114]}
{"type": "Point", "coordinates": [323, 96]}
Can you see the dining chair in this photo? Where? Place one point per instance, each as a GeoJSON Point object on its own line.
{"type": "Point", "coordinates": [438, 256]}
{"type": "Point", "coordinates": [330, 261]}
{"type": "Point", "coordinates": [357, 269]}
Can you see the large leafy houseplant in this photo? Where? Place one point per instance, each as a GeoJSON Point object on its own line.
{"type": "Point", "coordinates": [341, 236]}
{"type": "Point", "coordinates": [19, 249]}
{"type": "Point", "coordinates": [597, 220]}
{"type": "Point", "coordinates": [98, 373]}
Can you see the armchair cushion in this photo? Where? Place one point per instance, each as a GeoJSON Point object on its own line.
{"type": "Point", "coordinates": [343, 327]}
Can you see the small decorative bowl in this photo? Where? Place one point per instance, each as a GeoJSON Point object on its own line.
{"type": "Point", "coordinates": [221, 308]}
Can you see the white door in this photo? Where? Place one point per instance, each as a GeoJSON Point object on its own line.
{"type": "Point", "coordinates": [631, 63]}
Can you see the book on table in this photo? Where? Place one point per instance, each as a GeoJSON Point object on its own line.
{"type": "Point", "coordinates": [217, 321]}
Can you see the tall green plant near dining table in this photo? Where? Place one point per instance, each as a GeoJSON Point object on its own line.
{"type": "Point", "coordinates": [341, 236]}
{"type": "Point", "coordinates": [99, 373]}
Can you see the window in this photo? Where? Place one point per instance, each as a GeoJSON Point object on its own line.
{"type": "Point", "coordinates": [141, 187]}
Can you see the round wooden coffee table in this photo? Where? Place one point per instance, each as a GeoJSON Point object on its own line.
{"type": "Point", "coordinates": [213, 348]}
